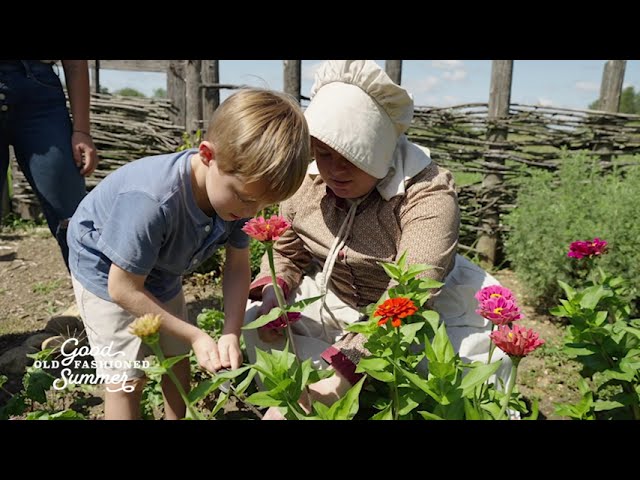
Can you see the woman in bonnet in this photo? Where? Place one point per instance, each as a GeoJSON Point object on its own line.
{"type": "Point", "coordinates": [369, 196]}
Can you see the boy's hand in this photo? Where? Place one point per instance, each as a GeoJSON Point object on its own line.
{"type": "Point", "coordinates": [206, 351]}
{"type": "Point", "coordinates": [229, 350]}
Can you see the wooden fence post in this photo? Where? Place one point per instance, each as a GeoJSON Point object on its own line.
{"type": "Point", "coordinates": [499, 101]}
{"type": "Point", "coordinates": [95, 76]}
{"type": "Point", "coordinates": [609, 101]}
{"type": "Point", "coordinates": [176, 91]}
{"type": "Point", "coordinates": [292, 74]}
{"type": "Point", "coordinates": [394, 70]}
{"type": "Point", "coordinates": [193, 96]}
{"type": "Point", "coordinates": [5, 201]}
{"type": "Point", "coordinates": [210, 96]}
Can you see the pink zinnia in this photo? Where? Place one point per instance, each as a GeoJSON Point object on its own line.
{"type": "Point", "coordinates": [266, 230]}
{"type": "Point", "coordinates": [280, 323]}
{"type": "Point", "coordinates": [494, 291]}
{"type": "Point", "coordinates": [499, 310]}
{"type": "Point", "coordinates": [516, 341]}
{"type": "Point", "coordinates": [581, 249]}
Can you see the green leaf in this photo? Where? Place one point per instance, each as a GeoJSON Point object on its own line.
{"type": "Point", "coordinates": [171, 361]}
{"type": "Point", "coordinates": [3, 380]}
{"type": "Point", "coordinates": [420, 383]}
{"type": "Point", "coordinates": [263, 399]}
{"type": "Point", "coordinates": [477, 376]}
{"type": "Point", "coordinates": [430, 416]}
{"type": "Point", "coordinates": [347, 407]}
{"type": "Point", "coordinates": [66, 415]}
{"type": "Point", "coordinates": [222, 399]}
{"type": "Point", "coordinates": [442, 346]}
{"type": "Point", "coordinates": [385, 377]}
{"type": "Point", "coordinates": [262, 320]}
{"type": "Point", "coordinates": [203, 389]}
{"type": "Point", "coordinates": [384, 414]}
{"type": "Point", "coordinates": [407, 404]}
{"type": "Point", "coordinates": [568, 290]}
{"type": "Point", "coordinates": [470, 412]}
{"type": "Point", "coordinates": [372, 364]}
{"type": "Point", "coordinates": [366, 328]}
{"type": "Point", "coordinates": [415, 270]}
{"type": "Point", "coordinates": [408, 331]}
{"type": "Point", "coordinates": [322, 410]}
{"type": "Point", "coordinates": [300, 305]}
{"type": "Point", "coordinates": [534, 411]}
{"type": "Point", "coordinates": [242, 386]}
{"type": "Point", "coordinates": [592, 295]}
{"type": "Point", "coordinates": [558, 311]}
{"type": "Point", "coordinates": [392, 270]}
{"type": "Point", "coordinates": [38, 382]}
{"type": "Point", "coordinates": [602, 405]}
{"type": "Point", "coordinates": [429, 283]}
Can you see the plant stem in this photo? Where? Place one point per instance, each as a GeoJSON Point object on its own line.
{"type": "Point", "coordinates": [396, 396]}
{"type": "Point", "coordinates": [512, 381]}
{"type": "Point", "coordinates": [280, 299]}
{"type": "Point", "coordinates": [158, 353]}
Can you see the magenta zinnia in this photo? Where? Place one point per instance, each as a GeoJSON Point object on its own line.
{"type": "Point", "coordinates": [590, 248]}
{"type": "Point", "coordinates": [516, 341]}
{"type": "Point", "coordinates": [266, 230]}
{"type": "Point", "coordinates": [494, 291]}
{"type": "Point", "coordinates": [395, 309]}
{"type": "Point", "coordinates": [499, 310]}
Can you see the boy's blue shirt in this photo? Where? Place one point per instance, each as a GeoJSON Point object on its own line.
{"type": "Point", "coordinates": [144, 218]}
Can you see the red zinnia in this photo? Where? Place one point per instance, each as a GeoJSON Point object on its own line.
{"type": "Point", "coordinates": [266, 230]}
{"type": "Point", "coordinates": [395, 309]}
{"type": "Point", "coordinates": [516, 341]}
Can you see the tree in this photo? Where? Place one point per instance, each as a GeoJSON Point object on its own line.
{"type": "Point", "coordinates": [629, 102]}
{"type": "Point", "coordinates": [129, 92]}
{"type": "Point", "coordinates": [159, 93]}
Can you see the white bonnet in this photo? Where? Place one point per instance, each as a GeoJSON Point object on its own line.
{"type": "Point", "coordinates": [358, 111]}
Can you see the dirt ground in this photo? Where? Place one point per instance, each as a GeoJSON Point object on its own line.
{"type": "Point", "coordinates": [34, 285]}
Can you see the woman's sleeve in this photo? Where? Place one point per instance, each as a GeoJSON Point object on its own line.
{"type": "Point", "coordinates": [345, 354]}
{"type": "Point", "coordinates": [289, 256]}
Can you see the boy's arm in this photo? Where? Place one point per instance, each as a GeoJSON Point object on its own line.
{"type": "Point", "coordinates": [235, 291]}
{"type": "Point", "coordinates": [127, 290]}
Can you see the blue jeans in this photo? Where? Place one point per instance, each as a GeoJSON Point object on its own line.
{"type": "Point", "coordinates": [34, 119]}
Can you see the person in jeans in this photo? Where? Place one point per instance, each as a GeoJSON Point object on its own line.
{"type": "Point", "coordinates": [55, 152]}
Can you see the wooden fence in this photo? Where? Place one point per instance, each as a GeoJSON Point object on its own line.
{"type": "Point", "coordinates": [497, 140]}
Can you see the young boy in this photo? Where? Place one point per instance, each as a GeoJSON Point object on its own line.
{"type": "Point", "coordinates": [146, 224]}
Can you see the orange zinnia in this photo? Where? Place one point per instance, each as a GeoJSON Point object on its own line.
{"type": "Point", "coordinates": [395, 309]}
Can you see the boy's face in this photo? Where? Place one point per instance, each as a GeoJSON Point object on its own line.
{"type": "Point", "coordinates": [231, 197]}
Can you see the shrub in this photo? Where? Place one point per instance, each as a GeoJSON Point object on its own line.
{"type": "Point", "coordinates": [579, 202]}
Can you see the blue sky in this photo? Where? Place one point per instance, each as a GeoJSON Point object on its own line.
{"type": "Point", "coordinates": [560, 83]}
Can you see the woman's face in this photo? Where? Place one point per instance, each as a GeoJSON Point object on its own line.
{"type": "Point", "coordinates": [343, 177]}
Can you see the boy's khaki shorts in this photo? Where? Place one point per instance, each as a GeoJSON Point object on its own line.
{"type": "Point", "coordinates": [112, 346]}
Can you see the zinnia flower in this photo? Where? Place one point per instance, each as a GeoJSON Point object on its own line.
{"type": "Point", "coordinates": [581, 249]}
{"type": "Point", "coordinates": [266, 230]}
{"type": "Point", "coordinates": [499, 310]}
{"type": "Point", "coordinates": [494, 291]}
{"type": "Point", "coordinates": [516, 341]}
{"type": "Point", "coordinates": [395, 309]}
{"type": "Point", "coordinates": [280, 323]}
{"type": "Point", "coordinates": [146, 327]}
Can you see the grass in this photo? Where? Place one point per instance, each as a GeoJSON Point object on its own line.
{"type": "Point", "coordinates": [44, 288]}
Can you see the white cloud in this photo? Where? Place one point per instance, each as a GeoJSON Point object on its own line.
{"type": "Point", "coordinates": [544, 102]}
{"type": "Point", "coordinates": [455, 75]}
{"type": "Point", "coordinates": [447, 64]}
{"type": "Point", "coordinates": [423, 85]}
{"type": "Point", "coordinates": [588, 86]}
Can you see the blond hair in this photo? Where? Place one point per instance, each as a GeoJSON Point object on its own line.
{"type": "Point", "coordinates": [262, 134]}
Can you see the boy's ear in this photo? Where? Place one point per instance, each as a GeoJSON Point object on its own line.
{"type": "Point", "coordinates": [207, 152]}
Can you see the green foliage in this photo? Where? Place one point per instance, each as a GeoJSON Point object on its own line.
{"type": "Point", "coordinates": [129, 92]}
{"type": "Point", "coordinates": [605, 339]}
{"type": "Point", "coordinates": [160, 93]}
{"type": "Point", "coordinates": [190, 141]}
{"type": "Point", "coordinates": [629, 101]}
{"type": "Point", "coordinates": [579, 203]}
